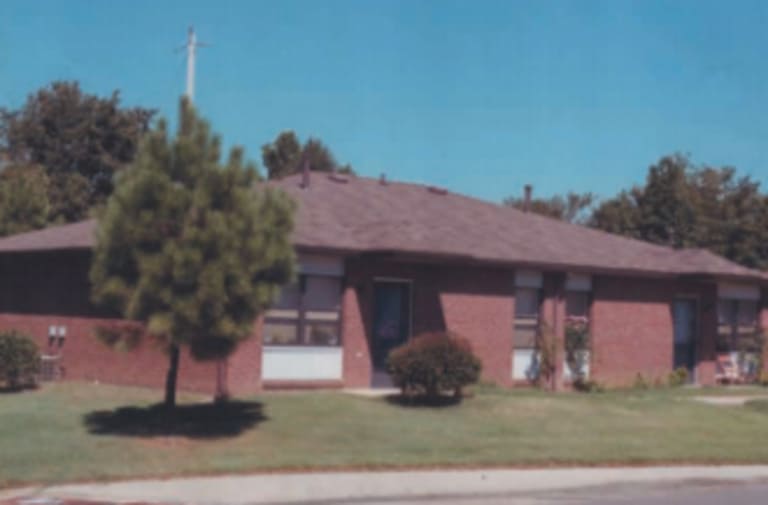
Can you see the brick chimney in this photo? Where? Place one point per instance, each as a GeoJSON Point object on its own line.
{"type": "Point", "coordinates": [527, 198]}
{"type": "Point", "coordinates": [305, 172]}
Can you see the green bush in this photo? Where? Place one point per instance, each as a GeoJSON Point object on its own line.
{"type": "Point", "coordinates": [434, 363]}
{"type": "Point", "coordinates": [677, 377]}
{"type": "Point", "coordinates": [763, 379]}
{"type": "Point", "coordinates": [19, 359]}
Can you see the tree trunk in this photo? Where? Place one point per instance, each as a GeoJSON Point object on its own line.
{"type": "Point", "coordinates": [170, 378]}
{"type": "Point", "coordinates": [222, 388]}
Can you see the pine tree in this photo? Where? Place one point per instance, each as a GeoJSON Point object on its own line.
{"type": "Point", "coordinates": [189, 250]}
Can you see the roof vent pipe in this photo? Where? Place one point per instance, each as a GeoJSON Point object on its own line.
{"type": "Point", "coordinates": [383, 179]}
{"type": "Point", "coordinates": [305, 173]}
{"type": "Point", "coordinates": [527, 198]}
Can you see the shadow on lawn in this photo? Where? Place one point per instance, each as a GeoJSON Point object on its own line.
{"type": "Point", "coordinates": [194, 421]}
{"type": "Point", "coordinates": [6, 389]}
{"type": "Point", "coordinates": [423, 401]}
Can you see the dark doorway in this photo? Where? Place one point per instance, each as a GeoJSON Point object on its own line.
{"type": "Point", "coordinates": [684, 314]}
{"type": "Point", "coordinates": [391, 324]}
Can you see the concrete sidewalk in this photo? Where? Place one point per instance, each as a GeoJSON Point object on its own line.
{"type": "Point", "coordinates": [336, 487]}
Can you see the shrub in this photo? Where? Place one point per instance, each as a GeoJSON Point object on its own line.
{"type": "Point", "coordinates": [677, 377]}
{"type": "Point", "coordinates": [641, 382]}
{"type": "Point", "coordinates": [19, 359]}
{"type": "Point", "coordinates": [763, 379]}
{"type": "Point", "coordinates": [433, 363]}
{"type": "Point", "coordinates": [588, 386]}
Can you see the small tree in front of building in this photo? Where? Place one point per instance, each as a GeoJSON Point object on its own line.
{"type": "Point", "coordinates": [188, 251]}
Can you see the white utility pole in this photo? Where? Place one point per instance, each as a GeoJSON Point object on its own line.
{"type": "Point", "coordinates": [191, 47]}
{"type": "Point", "coordinates": [191, 50]}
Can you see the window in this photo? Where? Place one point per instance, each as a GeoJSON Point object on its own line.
{"type": "Point", "coordinates": [527, 301]}
{"type": "Point", "coordinates": [736, 324]}
{"type": "Point", "coordinates": [577, 304]}
{"type": "Point", "coordinates": [307, 313]}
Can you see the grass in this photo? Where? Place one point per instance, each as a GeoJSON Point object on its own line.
{"type": "Point", "coordinates": [70, 431]}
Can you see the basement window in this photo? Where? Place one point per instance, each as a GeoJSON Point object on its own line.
{"type": "Point", "coordinates": [308, 312]}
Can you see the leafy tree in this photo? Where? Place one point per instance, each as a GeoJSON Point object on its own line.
{"type": "Point", "coordinates": [285, 155]}
{"type": "Point", "coordinates": [684, 205]}
{"type": "Point", "coordinates": [573, 207]}
{"type": "Point", "coordinates": [618, 215]}
{"type": "Point", "coordinates": [81, 140]}
{"type": "Point", "coordinates": [23, 199]}
{"type": "Point", "coordinates": [188, 249]}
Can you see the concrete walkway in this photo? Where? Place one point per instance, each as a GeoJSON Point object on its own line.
{"type": "Point", "coordinates": [728, 401]}
{"type": "Point", "coordinates": [394, 486]}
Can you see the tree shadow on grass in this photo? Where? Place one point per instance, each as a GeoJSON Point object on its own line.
{"type": "Point", "coordinates": [211, 420]}
{"type": "Point", "coordinates": [417, 401]}
{"type": "Point", "coordinates": [6, 389]}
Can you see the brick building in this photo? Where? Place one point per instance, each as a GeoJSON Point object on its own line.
{"type": "Point", "coordinates": [383, 261]}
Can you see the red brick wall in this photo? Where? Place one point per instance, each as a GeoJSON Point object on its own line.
{"type": "Point", "coordinates": [85, 358]}
{"type": "Point", "coordinates": [43, 289]}
{"type": "Point", "coordinates": [244, 366]}
{"type": "Point", "coordinates": [631, 321]}
{"type": "Point", "coordinates": [632, 328]}
{"type": "Point", "coordinates": [631, 325]}
{"type": "Point", "coordinates": [475, 302]}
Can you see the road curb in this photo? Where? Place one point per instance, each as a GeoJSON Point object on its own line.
{"type": "Point", "coordinates": [330, 487]}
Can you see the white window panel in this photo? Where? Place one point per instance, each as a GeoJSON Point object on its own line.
{"type": "Point", "coordinates": [525, 364]}
{"type": "Point", "coordinates": [301, 363]}
{"type": "Point", "coordinates": [528, 279]}
{"type": "Point", "coordinates": [738, 291]}
{"type": "Point", "coordinates": [578, 282]}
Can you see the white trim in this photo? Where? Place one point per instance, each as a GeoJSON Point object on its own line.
{"type": "Point", "coordinates": [301, 363]}
{"type": "Point", "coordinates": [282, 313]}
{"type": "Point", "coordinates": [525, 364]}
{"type": "Point", "coordinates": [321, 315]}
{"type": "Point", "coordinates": [733, 291]}
{"type": "Point", "coordinates": [528, 279]}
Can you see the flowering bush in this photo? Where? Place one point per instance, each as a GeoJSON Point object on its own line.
{"type": "Point", "coordinates": [577, 343]}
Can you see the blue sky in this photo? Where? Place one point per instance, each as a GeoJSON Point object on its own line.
{"type": "Point", "coordinates": [477, 96]}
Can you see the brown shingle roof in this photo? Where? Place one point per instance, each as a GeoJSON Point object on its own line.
{"type": "Point", "coordinates": [362, 214]}
{"type": "Point", "coordinates": [359, 214]}
{"type": "Point", "coordinates": [78, 235]}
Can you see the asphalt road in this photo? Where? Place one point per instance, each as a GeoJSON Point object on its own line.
{"type": "Point", "coordinates": [690, 493]}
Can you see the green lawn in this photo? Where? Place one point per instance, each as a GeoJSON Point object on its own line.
{"type": "Point", "coordinates": [67, 432]}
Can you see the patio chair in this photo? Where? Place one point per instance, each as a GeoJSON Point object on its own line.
{"type": "Point", "coordinates": [727, 370]}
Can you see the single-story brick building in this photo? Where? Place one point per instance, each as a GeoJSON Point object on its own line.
{"type": "Point", "coordinates": [382, 261]}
